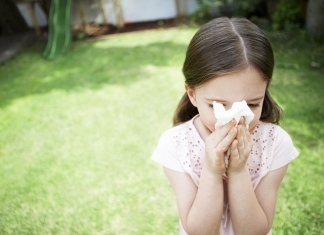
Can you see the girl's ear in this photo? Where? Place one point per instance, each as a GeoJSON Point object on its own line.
{"type": "Point", "coordinates": [191, 95]}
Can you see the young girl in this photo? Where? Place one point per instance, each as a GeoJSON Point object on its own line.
{"type": "Point", "coordinates": [228, 60]}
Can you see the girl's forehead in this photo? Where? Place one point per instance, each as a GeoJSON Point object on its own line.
{"type": "Point", "coordinates": [243, 84]}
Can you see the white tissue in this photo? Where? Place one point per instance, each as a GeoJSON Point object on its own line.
{"type": "Point", "coordinates": [238, 110]}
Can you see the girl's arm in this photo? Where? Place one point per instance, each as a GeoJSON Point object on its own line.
{"type": "Point", "coordinates": [252, 212]}
{"type": "Point", "coordinates": [201, 208]}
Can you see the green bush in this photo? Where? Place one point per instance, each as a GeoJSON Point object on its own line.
{"type": "Point", "coordinates": [287, 15]}
{"type": "Point", "coordinates": [209, 9]}
{"type": "Point", "coordinates": [247, 8]}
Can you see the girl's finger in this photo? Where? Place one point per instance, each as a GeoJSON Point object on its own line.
{"type": "Point", "coordinates": [241, 121]}
{"type": "Point", "coordinates": [223, 130]}
{"type": "Point", "coordinates": [241, 142]}
{"type": "Point", "coordinates": [227, 141]}
{"type": "Point", "coordinates": [234, 150]}
{"type": "Point", "coordinates": [219, 135]}
{"type": "Point", "coordinates": [247, 134]}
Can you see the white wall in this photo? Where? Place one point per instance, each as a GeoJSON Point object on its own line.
{"type": "Point", "coordinates": [148, 10]}
{"type": "Point", "coordinates": [132, 11]}
{"type": "Point", "coordinates": [40, 15]}
{"type": "Point", "coordinates": [92, 12]}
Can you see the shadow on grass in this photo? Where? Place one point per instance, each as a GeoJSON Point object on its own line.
{"type": "Point", "coordinates": [298, 85]}
{"type": "Point", "coordinates": [86, 66]}
{"type": "Point", "coordinates": [302, 99]}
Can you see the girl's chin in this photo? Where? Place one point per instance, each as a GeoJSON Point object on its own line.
{"type": "Point", "coordinates": [209, 130]}
{"type": "Point", "coordinates": [252, 128]}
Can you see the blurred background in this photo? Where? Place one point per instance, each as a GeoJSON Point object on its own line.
{"type": "Point", "coordinates": [88, 86]}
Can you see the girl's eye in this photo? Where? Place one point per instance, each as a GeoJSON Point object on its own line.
{"type": "Point", "coordinates": [253, 105]}
{"type": "Point", "coordinates": [211, 105]}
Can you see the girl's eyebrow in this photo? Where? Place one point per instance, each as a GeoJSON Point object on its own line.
{"type": "Point", "coordinates": [217, 100]}
{"type": "Point", "coordinates": [255, 99]}
{"type": "Point", "coordinates": [224, 101]}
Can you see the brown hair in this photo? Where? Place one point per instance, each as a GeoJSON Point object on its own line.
{"type": "Point", "coordinates": [224, 46]}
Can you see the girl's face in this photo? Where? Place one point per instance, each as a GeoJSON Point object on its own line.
{"type": "Point", "coordinates": [245, 85]}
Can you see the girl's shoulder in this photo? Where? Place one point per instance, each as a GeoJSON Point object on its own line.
{"type": "Point", "coordinates": [182, 133]}
{"type": "Point", "coordinates": [273, 147]}
{"type": "Point", "coordinates": [181, 149]}
{"type": "Point", "coordinates": [270, 132]}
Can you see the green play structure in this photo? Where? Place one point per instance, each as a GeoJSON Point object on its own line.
{"type": "Point", "coordinates": [59, 38]}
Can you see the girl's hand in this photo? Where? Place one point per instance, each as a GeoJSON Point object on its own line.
{"type": "Point", "coordinates": [240, 149]}
{"type": "Point", "coordinates": [217, 143]}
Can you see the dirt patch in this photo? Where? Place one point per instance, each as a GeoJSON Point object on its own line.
{"type": "Point", "coordinates": [95, 30]}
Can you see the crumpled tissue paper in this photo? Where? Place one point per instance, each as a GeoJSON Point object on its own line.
{"type": "Point", "coordinates": [238, 110]}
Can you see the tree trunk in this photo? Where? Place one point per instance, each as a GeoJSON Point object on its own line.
{"type": "Point", "coordinates": [119, 16]}
{"type": "Point", "coordinates": [82, 14]}
{"type": "Point", "coordinates": [182, 8]}
{"type": "Point", "coordinates": [103, 13]}
{"type": "Point", "coordinates": [315, 17]}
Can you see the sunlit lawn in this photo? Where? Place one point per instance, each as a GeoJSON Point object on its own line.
{"type": "Point", "coordinates": [76, 135]}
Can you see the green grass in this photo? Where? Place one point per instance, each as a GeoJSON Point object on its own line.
{"type": "Point", "coordinates": [299, 89]}
{"type": "Point", "coordinates": [77, 134]}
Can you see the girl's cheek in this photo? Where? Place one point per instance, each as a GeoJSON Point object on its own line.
{"type": "Point", "coordinates": [255, 121]}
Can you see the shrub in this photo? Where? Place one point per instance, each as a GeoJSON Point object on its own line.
{"type": "Point", "coordinates": [287, 15]}
{"type": "Point", "coordinates": [209, 9]}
